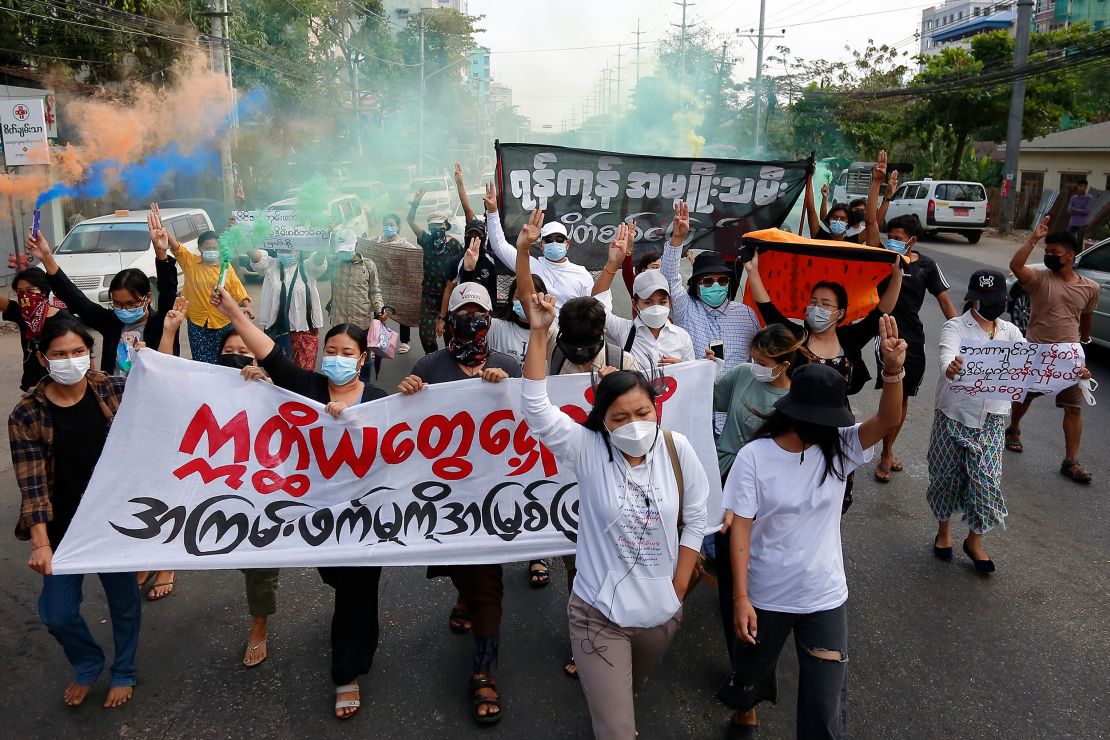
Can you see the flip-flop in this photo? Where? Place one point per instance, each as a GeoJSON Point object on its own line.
{"type": "Point", "coordinates": [347, 703]}
{"type": "Point", "coordinates": [151, 596]}
{"type": "Point", "coordinates": [251, 649]}
{"type": "Point", "coordinates": [538, 577]}
{"type": "Point", "coordinates": [570, 669]}
{"type": "Point", "coordinates": [1013, 441]}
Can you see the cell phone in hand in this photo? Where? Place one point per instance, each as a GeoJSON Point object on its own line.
{"type": "Point", "coordinates": [717, 347]}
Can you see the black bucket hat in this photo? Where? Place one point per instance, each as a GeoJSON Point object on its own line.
{"type": "Point", "coordinates": [819, 395]}
{"type": "Point", "coordinates": [709, 263]}
{"type": "Point", "coordinates": [986, 286]}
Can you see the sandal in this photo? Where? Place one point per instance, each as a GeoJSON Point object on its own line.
{"type": "Point", "coordinates": [346, 703]}
{"type": "Point", "coordinates": [896, 465]}
{"type": "Point", "coordinates": [251, 650]}
{"type": "Point", "coordinates": [570, 669]}
{"type": "Point", "coordinates": [1072, 469]}
{"type": "Point", "coordinates": [1013, 441]}
{"type": "Point", "coordinates": [538, 574]}
{"type": "Point", "coordinates": [168, 589]}
{"type": "Point", "coordinates": [882, 475]}
{"type": "Point", "coordinates": [459, 623]}
{"type": "Point", "coordinates": [487, 683]}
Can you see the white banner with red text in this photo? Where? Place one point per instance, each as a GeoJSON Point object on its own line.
{"type": "Point", "coordinates": [203, 470]}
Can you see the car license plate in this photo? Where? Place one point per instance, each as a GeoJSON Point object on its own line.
{"type": "Point", "coordinates": [959, 211]}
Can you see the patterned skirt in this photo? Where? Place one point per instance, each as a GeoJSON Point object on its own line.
{"type": "Point", "coordinates": [965, 471]}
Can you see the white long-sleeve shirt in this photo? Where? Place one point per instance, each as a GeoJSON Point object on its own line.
{"type": "Point", "coordinates": [271, 270]}
{"type": "Point", "coordinates": [628, 516]}
{"type": "Point", "coordinates": [971, 411]}
{"type": "Point", "coordinates": [564, 280]}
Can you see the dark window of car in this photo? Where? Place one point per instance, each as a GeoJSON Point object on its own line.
{"type": "Point", "coordinates": [964, 191]}
{"type": "Point", "coordinates": [900, 193]}
{"type": "Point", "coordinates": [1097, 259]}
{"type": "Point", "coordinates": [182, 229]}
{"type": "Point", "coordinates": [199, 223]}
{"type": "Point", "coordinates": [110, 237]}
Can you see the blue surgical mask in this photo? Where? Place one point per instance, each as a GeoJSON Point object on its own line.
{"type": "Point", "coordinates": [518, 309]}
{"type": "Point", "coordinates": [211, 256]}
{"type": "Point", "coordinates": [287, 260]}
{"type": "Point", "coordinates": [714, 295]}
{"type": "Point", "coordinates": [390, 231]}
{"type": "Point", "coordinates": [555, 251]}
{"type": "Point", "coordinates": [895, 245]}
{"type": "Point", "coordinates": [838, 227]}
{"type": "Point", "coordinates": [339, 369]}
{"type": "Point", "coordinates": [345, 256]}
{"type": "Point", "coordinates": [129, 315]}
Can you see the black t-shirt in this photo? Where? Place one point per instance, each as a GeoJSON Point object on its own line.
{"type": "Point", "coordinates": [919, 276]}
{"type": "Point", "coordinates": [441, 259]}
{"type": "Point", "coordinates": [484, 272]}
{"type": "Point", "coordinates": [441, 367]}
{"type": "Point", "coordinates": [828, 236]}
{"type": "Point", "coordinates": [79, 434]}
{"type": "Point", "coordinates": [33, 371]}
{"type": "Point", "coordinates": [288, 375]}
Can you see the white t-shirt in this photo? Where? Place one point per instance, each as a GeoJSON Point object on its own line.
{"type": "Point", "coordinates": [564, 280]}
{"type": "Point", "coordinates": [510, 338]}
{"type": "Point", "coordinates": [628, 517]}
{"type": "Point", "coordinates": [796, 563]}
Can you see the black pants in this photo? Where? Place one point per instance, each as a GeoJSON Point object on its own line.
{"type": "Point", "coordinates": [481, 588]}
{"type": "Point", "coordinates": [406, 334]}
{"type": "Point", "coordinates": [724, 589]}
{"type": "Point", "coordinates": [354, 622]}
{"type": "Point", "coordinates": [822, 681]}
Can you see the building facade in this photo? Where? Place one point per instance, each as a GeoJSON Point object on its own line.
{"type": "Point", "coordinates": [956, 22]}
{"type": "Point", "coordinates": [398, 12]}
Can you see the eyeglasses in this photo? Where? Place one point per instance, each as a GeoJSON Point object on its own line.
{"type": "Point", "coordinates": [556, 238]}
{"type": "Point", "coordinates": [130, 304]}
{"type": "Point", "coordinates": [827, 305]}
{"type": "Point", "coordinates": [709, 281]}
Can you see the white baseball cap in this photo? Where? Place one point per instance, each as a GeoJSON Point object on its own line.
{"type": "Point", "coordinates": [649, 281]}
{"type": "Point", "coordinates": [465, 293]}
{"type": "Point", "coordinates": [553, 227]}
{"type": "Point", "coordinates": [344, 240]}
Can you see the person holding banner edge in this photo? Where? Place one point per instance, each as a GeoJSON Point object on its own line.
{"type": "Point", "coordinates": [626, 605]}
{"type": "Point", "coordinates": [57, 432]}
{"type": "Point", "coordinates": [480, 587]}
{"type": "Point", "coordinates": [354, 623]}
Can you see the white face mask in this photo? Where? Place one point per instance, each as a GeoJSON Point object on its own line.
{"type": "Point", "coordinates": [764, 374]}
{"type": "Point", "coordinates": [70, 370]}
{"type": "Point", "coordinates": [655, 317]}
{"type": "Point", "coordinates": [636, 438]}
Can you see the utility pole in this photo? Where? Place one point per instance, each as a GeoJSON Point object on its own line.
{"type": "Point", "coordinates": [759, 77]}
{"type": "Point", "coordinates": [682, 45]}
{"type": "Point", "coordinates": [638, 33]}
{"type": "Point", "coordinates": [217, 12]}
{"type": "Point", "coordinates": [1017, 111]}
{"type": "Point", "coordinates": [420, 161]}
{"type": "Point", "coordinates": [356, 101]}
{"type": "Point", "coordinates": [620, 101]}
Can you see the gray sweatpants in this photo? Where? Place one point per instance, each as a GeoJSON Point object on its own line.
{"type": "Point", "coordinates": [613, 663]}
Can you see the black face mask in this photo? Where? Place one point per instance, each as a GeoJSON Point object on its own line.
{"type": "Point", "coordinates": [238, 362]}
{"type": "Point", "coordinates": [1053, 262]}
{"type": "Point", "coordinates": [578, 354]}
{"type": "Point", "coordinates": [991, 311]}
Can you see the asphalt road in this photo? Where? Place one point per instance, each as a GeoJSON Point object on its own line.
{"type": "Point", "coordinates": [935, 651]}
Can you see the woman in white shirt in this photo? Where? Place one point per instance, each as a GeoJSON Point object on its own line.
{"type": "Point", "coordinates": [965, 449]}
{"type": "Point", "coordinates": [785, 491]}
{"type": "Point", "coordinates": [642, 498]}
{"type": "Point", "coordinates": [290, 310]}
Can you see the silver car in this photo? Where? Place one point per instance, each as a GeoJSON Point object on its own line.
{"type": "Point", "coordinates": [1093, 263]}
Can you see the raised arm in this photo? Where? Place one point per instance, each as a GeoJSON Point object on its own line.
{"type": "Point", "coordinates": [175, 317]}
{"type": "Point", "coordinates": [672, 252]}
{"type": "Point", "coordinates": [824, 202]}
{"type": "Point", "coordinates": [891, 186]}
{"type": "Point", "coordinates": [77, 302]}
{"type": "Point", "coordinates": [1017, 262]}
{"type": "Point", "coordinates": [529, 233]}
{"type": "Point", "coordinates": [878, 175]}
{"type": "Point", "coordinates": [814, 224]}
{"type": "Point", "coordinates": [165, 272]}
{"type": "Point", "coordinates": [756, 288]}
{"type": "Point", "coordinates": [889, 297]}
{"type": "Point", "coordinates": [496, 233]}
{"type": "Point", "coordinates": [256, 340]}
{"type": "Point", "coordinates": [413, 205]}
{"type": "Point", "coordinates": [561, 434]}
{"type": "Point", "coordinates": [464, 199]}
{"type": "Point", "coordinates": [619, 250]}
{"type": "Point", "coordinates": [889, 414]}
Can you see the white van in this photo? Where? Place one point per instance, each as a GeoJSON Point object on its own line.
{"type": "Point", "coordinates": [98, 248]}
{"type": "Point", "coordinates": [951, 206]}
{"type": "Point", "coordinates": [344, 211]}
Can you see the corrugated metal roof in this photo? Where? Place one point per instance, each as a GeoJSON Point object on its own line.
{"type": "Point", "coordinates": [1093, 138]}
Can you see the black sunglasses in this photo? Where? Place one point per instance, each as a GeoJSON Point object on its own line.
{"type": "Point", "coordinates": [556, 238]}
{"type": "Point", "coordinates": [706, 282]}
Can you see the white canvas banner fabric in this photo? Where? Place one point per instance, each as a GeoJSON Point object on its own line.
{"type": "Point", "coordinates": [1007, 371]}
{"type": "Point", "coordinates": [203, 470]}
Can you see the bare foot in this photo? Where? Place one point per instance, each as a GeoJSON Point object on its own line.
{"type": "Point", "coordinates": [75, 694]}
{"type": "Point", "coordinates": [163, 586]}
{"type": "Point", "coordinates": [256, 643]}
{"type": "Point", "coordinates": [117, 696]}
{"type": "Point", "coordinates": [345, 712]}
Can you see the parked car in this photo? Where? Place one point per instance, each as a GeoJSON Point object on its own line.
{"type": "Point", "coordinates": [855, 181]}
{"type": "Point", "coordinates": [944, 205]}
{"type": "Point", "coordinates": [374, 198]}
{"type": "Point", "coordinates": [437, 196]}
{"type": "Point", "coordinates": [97, 248]}
{"type": "Point", "coordinates": [1093, 263]}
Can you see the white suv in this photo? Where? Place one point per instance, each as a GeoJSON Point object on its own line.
{"type": "Point", "coordinates": [97, 248]}
{"type": "Point", "coordinates": [943, 205]}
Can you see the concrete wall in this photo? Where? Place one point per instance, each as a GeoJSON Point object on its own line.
{"type": "Point", "coordinates": [1095, 165]}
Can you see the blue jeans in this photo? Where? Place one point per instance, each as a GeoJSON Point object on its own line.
{"type": "Point", "coordinates": [60, 611]}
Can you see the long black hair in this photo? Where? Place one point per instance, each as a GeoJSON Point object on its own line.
{"type": "Point", "coordinates": [133, 281]}
{"type": "Point", "coordinates": [613, 386]}
{"type": "Point", "coordinates": [825, 438]}
{"type": "Point", "coordinates": [58, 326]}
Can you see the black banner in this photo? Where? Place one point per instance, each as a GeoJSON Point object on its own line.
{"type": "Point", "coordinates": [591, 192]}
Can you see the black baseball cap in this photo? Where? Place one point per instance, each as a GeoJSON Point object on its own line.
{"type": "Point", "coordinates": [986, 286]}
{"type": "Point", "coordinates": [818, 394]}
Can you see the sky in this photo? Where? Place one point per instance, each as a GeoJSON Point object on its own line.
{"type": "Point", "coordinates": [532, 40]}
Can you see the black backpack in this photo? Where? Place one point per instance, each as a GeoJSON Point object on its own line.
{"type": "Point", "coordinates": [614, 355]}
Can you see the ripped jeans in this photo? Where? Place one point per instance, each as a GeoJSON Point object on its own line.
{"type": "Point", "coordinates": [821, 640]}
